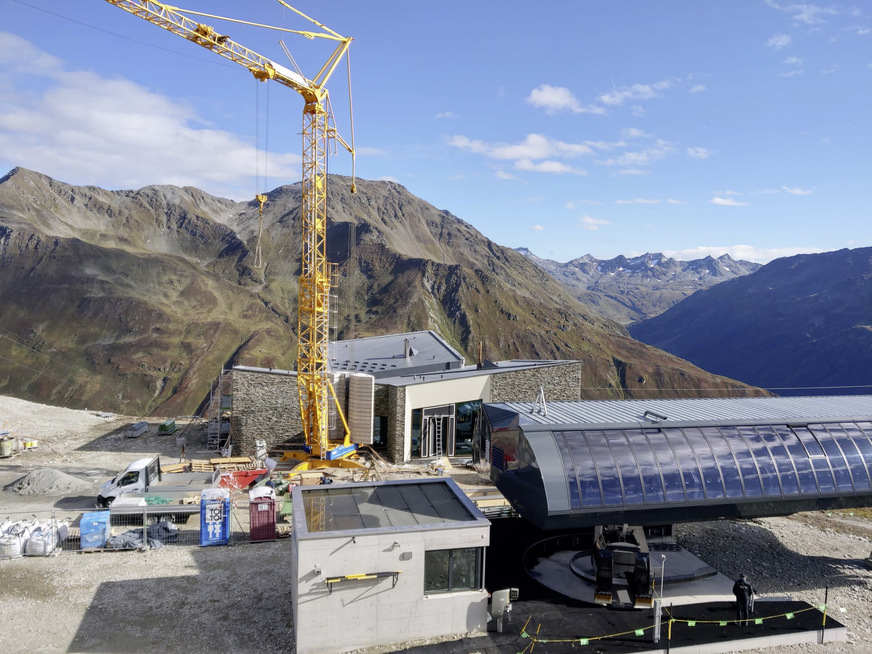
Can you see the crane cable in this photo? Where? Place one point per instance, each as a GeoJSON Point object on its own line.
{"type": "Point", "coordinates": [260, 197]}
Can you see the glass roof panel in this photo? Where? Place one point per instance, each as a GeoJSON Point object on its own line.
{"type": "Point", "coordinates": [669, 470]}
{"type": "Point", "coordinates": [783, 462]}
{"type": "Point", "coordinates": [613, 493]}
{"type": "Point", "coordinates": [690, 473]}
{"type": "Point", "coordinates": [651, 480]}
{"type": "Point", "coordinates": [711, 473]}
{"type": "Point", "coordinates": [843, 435]}
{"type": "Point", "coordinates": [717, 441]}
{"type": "Point", "coordinates": [837, 462]}
{"type": "Point", "coordinates": [629, 471]}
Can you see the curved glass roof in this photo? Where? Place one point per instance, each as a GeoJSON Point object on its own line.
{"type": "Point", "coordinates": [666, 470]}
{"type": "Point", "coordinates": [627, 467]}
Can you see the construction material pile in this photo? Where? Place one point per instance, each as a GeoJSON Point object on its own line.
{"type": "Point", "coordinates": [47, 481]}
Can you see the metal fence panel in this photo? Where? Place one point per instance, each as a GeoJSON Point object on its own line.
{"type": "Point", "coordinates": [44, 533]}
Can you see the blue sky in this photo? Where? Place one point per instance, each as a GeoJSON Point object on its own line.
{"type": "Point", "coordinates": [601, 127]}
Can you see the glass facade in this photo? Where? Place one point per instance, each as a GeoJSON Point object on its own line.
{"type": "Point", "coordinates": [628, 467]}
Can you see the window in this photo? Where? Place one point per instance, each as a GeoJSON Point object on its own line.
{"type": "Point", "coordinates": [452, 570]}
{"type": "Point", "coordinates": [130, 478]}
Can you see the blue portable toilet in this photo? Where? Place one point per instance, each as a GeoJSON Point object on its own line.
{"type": "Point", "coordinates": [94, 529]}
{"type": "Point", "coordinates": [214, 516]}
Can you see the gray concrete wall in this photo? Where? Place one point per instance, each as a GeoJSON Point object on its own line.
{"type": "Point", "coordinates": [377, 612]}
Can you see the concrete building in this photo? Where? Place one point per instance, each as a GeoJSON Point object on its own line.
{"type": "Point", "coordinates": [384, 563]}
{"type": "Point", "coordinates": [427, 401]}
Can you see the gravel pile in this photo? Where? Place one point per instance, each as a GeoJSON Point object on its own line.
{"type": "Point", "coordinates": [801, 557]}
{"type": "Point", "coordinates": [47, 481]}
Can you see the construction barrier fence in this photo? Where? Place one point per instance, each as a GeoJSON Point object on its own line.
{"type": "Point", "coordinates": [47, 532]}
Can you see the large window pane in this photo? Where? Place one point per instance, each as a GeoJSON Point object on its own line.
{"type": "Point", "coordinates": [711, 474]}
{"type": "Point", "coordinates": [452, 570]}
{"type": "Point", "coordinates": [690, 473]}
{"type": "Point", "coordinates": [724, 456]}
{"type": "Point", "coordinates": [630, 478]}
{"type": "Point", "coordinates": [672, 482]}
{"type": "Point", "coordinates": [436, 570]}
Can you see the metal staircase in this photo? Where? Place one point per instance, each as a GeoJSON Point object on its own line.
{"type": "Point", "coordinates": [220, 406]}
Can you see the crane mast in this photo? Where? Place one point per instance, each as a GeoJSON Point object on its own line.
{"type": "Point", "coordinates": [314, 386]}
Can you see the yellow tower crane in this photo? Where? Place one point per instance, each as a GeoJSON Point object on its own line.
{"type": "Point", "coordinates": [315, 389]}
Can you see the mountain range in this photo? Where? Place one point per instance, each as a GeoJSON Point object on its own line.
{"type": "Point", "coordinates": [134, 300]}
{"type": "Point", "coordinates": [798, 326]}
{"type": "Point", "coordinates": [628, 290]}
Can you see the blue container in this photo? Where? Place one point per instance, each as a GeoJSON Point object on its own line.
{"type": "Point", "coordinates": [214, 517]}
{"type": "Point", "coordinates": [94, 529]}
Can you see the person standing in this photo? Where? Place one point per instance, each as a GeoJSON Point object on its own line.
{"type": "Point", "coordinates": [744, 593]}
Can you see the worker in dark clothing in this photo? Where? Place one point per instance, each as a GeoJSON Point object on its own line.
{"type": "Point", "coordinates": [744, 593]}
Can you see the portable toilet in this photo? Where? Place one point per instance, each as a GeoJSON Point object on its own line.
{"type": "Point", "coordinates": [214, 516]}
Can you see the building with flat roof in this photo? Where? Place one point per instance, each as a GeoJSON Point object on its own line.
{"type": "Point", "coordinates": [426, 400]}
{"type": "Point", "coordinates": [384, 563]}
{"type": "Point", "coordinates": [649, 462]}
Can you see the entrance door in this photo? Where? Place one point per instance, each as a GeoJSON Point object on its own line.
{"type": "Point", "coordinates": [437, 431]}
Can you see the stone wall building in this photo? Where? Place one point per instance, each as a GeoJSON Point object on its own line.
{"type": "Point", "coordinates": [426, 401]}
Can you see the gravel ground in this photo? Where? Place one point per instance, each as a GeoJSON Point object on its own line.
{"type": "Point", "coordinates": [236, 599]}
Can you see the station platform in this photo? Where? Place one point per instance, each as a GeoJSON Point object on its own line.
{"type": "Point", "coordinates": [556, 613]}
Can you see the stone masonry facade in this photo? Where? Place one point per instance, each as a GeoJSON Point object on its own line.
{"type": "Point", "coordinates": [266, 403]}
{"type": "Point", "coordinates": [562, 382]}
{"type": "Point", "coordinates": [266, 406]}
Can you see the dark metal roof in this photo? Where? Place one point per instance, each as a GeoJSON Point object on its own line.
{"type": "Point", "coordinates": [394, 354]}
{"type": "Point", "coordinates": [771, 456]}
{"type": "Point", "coordinates": [396, 506]}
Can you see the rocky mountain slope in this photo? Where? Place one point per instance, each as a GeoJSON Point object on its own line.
{"type": "Point", "coordinates": [803, 321]}
{"type": "Point", "coordinates": [133, 300]}
{"type": "Point", "coordinates": [632, 289]}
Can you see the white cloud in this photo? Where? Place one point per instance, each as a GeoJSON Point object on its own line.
{"type": "Point", "coordinates": [446, 114]}
{"type": "Point", "coordinates": [806, 13]}
{"type": "Point", "coordinates": [674, 201]}
{"type": "Point", "coordinates": [830, 70]}
{"type": "Point", "coordinates": [537, 228]}
{"type": "Point", "coordinates": [699, 88]}
{"type": "Point", "coordinates": [592, 224]}
{"type": "Point", "coordinates": [641, 157]}
{"type": "Point", "coordinates": [633, 171]}
{"type": "Point", "coordinates": [793, 73]}
{"type": "Point", "coordinates": [554, 99]}
{"type": "Point", "coordinates": [727, 202]}
{"type": "Point", "coordinates": [793, 61]}
{"type": "Point", "coordinates": [502, 174]}
{"type": "Point", "coordinates": [779, 41]}
{"type": "Point", "coordinates": [87, 129]}
{"type": "Point", "coordinates": [548, 166]}
{"type": "Point", "coordinates": [796, 191]}
{"type": "Point", "coordinates": [388, 178]}
{"type": "Point", "coordinates": [534, 146]}
{"type": "Point", "coordinates": [738, 252]}
{"type": "Point", "coordinates": [698, 153]}
{"type": "Point", "coordinates": [858, 30]}
{"type": "Point", "coordinates": [634, 133]}
{"type": "Point", "coordinates": [619, 96]}
{"type": "Point", "coordinates": [638, 201]}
